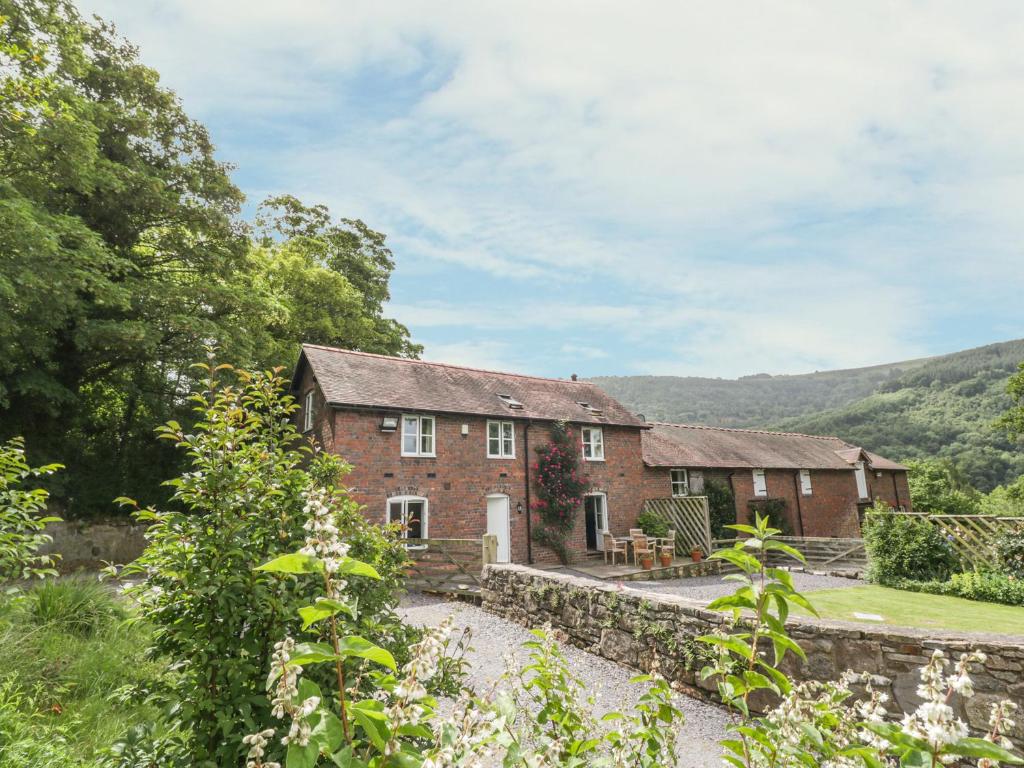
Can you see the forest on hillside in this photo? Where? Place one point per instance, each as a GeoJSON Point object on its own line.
{"type": "Point", "coordinates": [940, 407]}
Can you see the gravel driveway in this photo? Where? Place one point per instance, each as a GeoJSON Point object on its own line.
{"type": "Point", "coordinates": [494, 637]}
{"type": "Point", "coordinates": [710, 587]}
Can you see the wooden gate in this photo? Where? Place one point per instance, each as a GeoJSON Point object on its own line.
{"type": "Point", "coordinates": [689, 516]}
{"type": "Point", "coordinates": [973, 537]}
{"type": "Point", "coordinates": [448, 565]}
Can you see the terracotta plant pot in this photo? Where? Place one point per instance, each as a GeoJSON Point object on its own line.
{"type": "Point", "coordinates": [647, 562]}
{"type": "Point", "coordinates": [696, 554]}
{"type": "Point", "coordinates": [666, 559]}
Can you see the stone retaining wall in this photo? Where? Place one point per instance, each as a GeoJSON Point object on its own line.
{"type": "Point", "coordinates": [88, 544]}
{"type": "Point", "coordinates": [632, 626]}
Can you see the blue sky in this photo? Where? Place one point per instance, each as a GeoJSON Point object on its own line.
{"type": "Point", "coordinates": [610, 188]}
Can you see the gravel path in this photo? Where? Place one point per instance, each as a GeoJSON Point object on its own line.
{"type": "Point", "coordinates": [710, 587]}
{"type": "Point", "coordinates": [494, 637]}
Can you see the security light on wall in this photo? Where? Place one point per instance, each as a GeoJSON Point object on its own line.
{"type": "Point", "coordinates": [389, 424]}
{"type": "Point", "coordinates": [519, 508]}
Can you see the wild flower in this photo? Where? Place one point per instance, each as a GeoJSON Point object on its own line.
{"type": "Point", "coordinates": [257, 743]}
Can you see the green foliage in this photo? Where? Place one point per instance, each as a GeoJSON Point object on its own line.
{"type": "Point", "coordinates": [22, 515]}
{"type": "Point", "coordinates": [942, 407]}
{"type": "Point", "coordinates": [1004, 500]}
{"type": "Point", "coordinates": [974, 585]}
{"type": "Point", "coordinates": [79, 605]}
{"type": "Point", "coordinates": [937, 488]}
{"type": "Point", "coordinates": [240, 503]}
{"type": "Point", "coordinates": [560, 490]}
{"type": "Point", "coordinates": [62, 694]}
{"type": "Point", "coordinates": [1010, 548]}
{"type": "Point", "coordinates": [774, 511]}
{"type": "Point", "coordinates": [1013, 420]}
{"type": "Point", "coordinates": [902, 547]}
{"type": "Point", "coordinates": [652, 524]}
{"type": "Point", "coordinates": [721, 507]}
{"type": "Point", "coordinates": [124, 254]}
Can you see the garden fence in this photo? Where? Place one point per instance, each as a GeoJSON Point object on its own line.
{"type": "Point", "coordinates": [689, 516]}
{"type": "Point", "coordinates": [448, 565]}
{"type": "Point", "coordinates": [973, 537]}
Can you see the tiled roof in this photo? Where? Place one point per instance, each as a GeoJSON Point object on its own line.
{"type": "Point", "coordinates": [359, 379]}
{"type": "Point", "coordinates": [684, 445]}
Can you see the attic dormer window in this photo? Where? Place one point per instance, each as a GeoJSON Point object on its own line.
{"type": "Point", "coordinates": [511, 402]}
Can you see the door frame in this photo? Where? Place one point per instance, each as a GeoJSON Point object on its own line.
{"type": "Point", "coordinates": [603, 496]}
{"type": "Point", "coordinates": [508, 520]}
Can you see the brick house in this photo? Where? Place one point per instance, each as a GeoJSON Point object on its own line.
{"type": "Point", "coordinates": [448, 450]}
{"type": "Point", "coordinates": [824, 482]}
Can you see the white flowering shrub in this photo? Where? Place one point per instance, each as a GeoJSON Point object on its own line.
{"type": "Point", "coordinates": [839, 724]}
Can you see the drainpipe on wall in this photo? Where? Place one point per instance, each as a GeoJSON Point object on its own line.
{"type": "Point", "coordinates": [799, 506]}
{"type": "Point", "coordinates": [732, 490]}
{"type": "Point", "coordinates": [526, 471]}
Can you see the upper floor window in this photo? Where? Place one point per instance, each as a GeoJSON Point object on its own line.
{"type": "Point", "coordinates": [418, 436]}
{"type": "Point", "coordinates": [760, 484]}
{"type": "Point", "coordinates": [501, 442]}
{"type": "Point", "coordinates": [805, 482]}
{"type": "Point", "coordinates": [593, 444]}
{"type": "Point", "coordinates": [680, 482]}
{"type": "Point", "coordinates": [307, 411]}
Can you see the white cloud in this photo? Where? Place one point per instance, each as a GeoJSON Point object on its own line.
{"type": "Point", "coordinates": [749, 186]}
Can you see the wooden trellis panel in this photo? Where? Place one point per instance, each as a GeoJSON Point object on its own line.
{"type": "Point", "coordinates": [445, 565]}
{"type": "Point", "coordinates": [689, 516]}
{"type": "Point", "coordinates": [973, 537]}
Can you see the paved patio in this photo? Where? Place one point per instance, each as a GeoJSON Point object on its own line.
{"type": "Point", "coordinates": [596, 568]}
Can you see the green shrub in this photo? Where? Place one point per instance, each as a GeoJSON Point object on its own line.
{"type": "Point", "coordinates": [901, 547]}
{"type": "Point", "coordinates": [1010, 547]}
{"type": "Point", "coordinates": [22, 515]}
{"type": "Point", "coordinates": [79, 605]}
{"type": "Point", "coordinates": [774, 511]}
{"type": "Point", "coordinates": [23, 739]}
{"type": "Point", "coordinates": [974, 585]}
{"type": "Point", "coordinates": [721, 508]}
{"type": "Point", "coordinates": [652, 524]}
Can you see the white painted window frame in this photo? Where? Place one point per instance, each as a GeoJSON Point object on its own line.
{"type": "Point", "coordinates": [685, 482]}
{"type": "Point", "coordinates": [502, 454]}
{"type": "Point", "coordinates": [308, 411]}
{"type": "Point", "coordinates": [419, 435]}
{"type": "Point", "coordinates": [806, 487]}
{"type": "Point", "coordinates": [588, 432]}
{"type": "Point", "coordinates": [755, 473]}
{"type": "Point", "coordinates": [405, 499]}
{"type": "Point", "coordinates": [604, 514]}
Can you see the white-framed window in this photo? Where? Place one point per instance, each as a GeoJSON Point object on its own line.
{"type": "Point", "coordinates": [760, 484]}
{"type": "Point", "coordinates": [307, 411]}
{"type": "Point", "coordinates": [411, 513]}
{"type": "Point", "coordinates": [805, 482]}
{"type": "Point", "coordinates": [501, 440]}
{"type": "Point", "coordinates": [593, 444]}
{"type": "Point", "coordinates": [418, 436]}
{"type": "Point", "coordinates": [680, 482]}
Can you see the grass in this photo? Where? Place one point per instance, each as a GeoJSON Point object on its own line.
{"type": "Point", "coordinates": [65, 653]}
{"type": "Point", "coordinates": [914, 609]}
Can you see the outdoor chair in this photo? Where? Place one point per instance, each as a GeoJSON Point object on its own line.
{"type": "Point", "coordinates": [668, 543]}
{"type": "Point", "coordinates": [634, 532]}
{"type": "Point", "coordinates": [641, 547]}
{"type": "Point", "coordinates": [613, 548]}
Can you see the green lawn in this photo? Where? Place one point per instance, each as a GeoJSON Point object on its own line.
{"type": "Point", "coordinates": [913, 609]}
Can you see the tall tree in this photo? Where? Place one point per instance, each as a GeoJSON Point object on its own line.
{"type": "Point", "coordinates": [122, 255]}
{"type": "Point", "coordinates": [1013, 420]}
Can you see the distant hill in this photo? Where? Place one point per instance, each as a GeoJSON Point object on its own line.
{"type": "Point", "coordinates": [937, 406]}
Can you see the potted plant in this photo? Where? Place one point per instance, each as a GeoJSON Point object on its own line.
{"type": "Point", "coordinates": [696, 554]}
{"type": "Point", "coordinates": [665, 555]}
{"type": "Point", "coordinates": [647, 561]}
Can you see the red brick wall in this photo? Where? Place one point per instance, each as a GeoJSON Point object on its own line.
{"type": "Point", "coordinates": [890, 486]}
{"type": "Point", "coordinates": [458, 480]}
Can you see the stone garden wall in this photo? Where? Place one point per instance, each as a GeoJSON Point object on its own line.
{"type": "Point", "coordinates": [632, 626]}
{"type": "Point", "coordinates": [87, 545]}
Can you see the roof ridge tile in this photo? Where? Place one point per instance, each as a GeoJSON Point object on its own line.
{"type": "Point", "coordinates": [749, 431]}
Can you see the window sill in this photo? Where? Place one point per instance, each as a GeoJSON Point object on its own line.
{"type": "Point", "coordinates": [419, 455]}
{"type": "Point", "coordinates": [502, 458]}
{"type": "Point", "coordinates": [599, 461]}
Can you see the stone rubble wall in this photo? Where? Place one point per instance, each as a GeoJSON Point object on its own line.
{"type": "Point", "coordinates": [89, 544]}
{"type": "Point", "coordinates": [633, 626]}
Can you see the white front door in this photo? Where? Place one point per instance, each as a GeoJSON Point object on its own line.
{"type": "Point", "coordinates": [498, 524]}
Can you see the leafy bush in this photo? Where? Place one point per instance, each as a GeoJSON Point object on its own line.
{"type": "Point", "coordinates": [652, 524]}
{"type": "Point", "coordinates": [772, 510]}
{"type": "Point", "coordinates": [79, 605]}
{"type": "Point", "coordinates": [974, 585]}
{"type": "Point", "coordinates": [902, 547]}
{"type": "Point", "coordinates": [240, 503]}
{"type": "Point", "coordinates": [22, 515]}
{"type": "Point", "coordinates": [721, 507]}
{"type": "Point", "coordinates": [1010, 548]}
{"type": "Point", "coordinates": [24, 741]}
